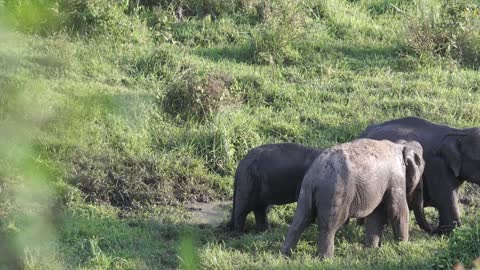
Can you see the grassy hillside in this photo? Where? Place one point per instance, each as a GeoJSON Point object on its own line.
{"type": "Point", "coordinates": [114, 114]}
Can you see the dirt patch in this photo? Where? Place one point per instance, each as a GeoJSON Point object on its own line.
{"type": "Point", "coordinates": [211, 213]}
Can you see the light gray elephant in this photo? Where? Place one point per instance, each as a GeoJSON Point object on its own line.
{"type": "Point", "coordinates": [362, 179]}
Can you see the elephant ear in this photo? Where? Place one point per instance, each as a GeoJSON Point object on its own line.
{"type": "Point", "coordinates": [414, 168]}
{"type": "Point", "coordinates": [450, 152]}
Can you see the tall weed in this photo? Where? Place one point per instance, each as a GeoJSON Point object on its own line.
{"type": "Point", "coordinates": [450, 30]}
{"type": "Point", "coordinates": [274, 41]}
{"type": "Point", "coordinates": [32, 16]}
{"type": "Point", "coordinates": [463, 246]}
{"type": "Point", "coordinates": [197, 94]}
{"type": "Point", "coordinates": [105, 18]}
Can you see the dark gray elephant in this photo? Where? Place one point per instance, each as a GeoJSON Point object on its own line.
{"type": "Point", "coordinates": [270, 174]}
{"type": "Point", "coordinates": [452, 156]}
{"type": "Point", "coordinates": [362, 179]}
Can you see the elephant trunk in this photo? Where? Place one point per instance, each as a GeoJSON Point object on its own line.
{"type": "Point", "coordinates": [417, 203]}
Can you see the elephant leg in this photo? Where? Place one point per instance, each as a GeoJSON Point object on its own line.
{"type": "Point", "coordinates": [442, 185]}
{"type": "Point", "coordinates": [374, 226]}
{"type": "Point", "coordinates": [261, 220]}
{"type": "Point", "coordinates": [328, 226]}
{"type": "Point", "coordinates": [240, 215]}
{"type": "Point", "coordinates": [449, 214]}
{"type": "Point", "coordinates": [399, 214]}
{"type": "Point", "coordinates": [301, 219]}
{"type": "Point", "coordinates": [326, 242]}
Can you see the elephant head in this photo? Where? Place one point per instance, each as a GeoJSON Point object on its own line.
{"type": "Point", "coordinates": [414, 163]}
{"type": "Point", "coordinates": [461, 153]}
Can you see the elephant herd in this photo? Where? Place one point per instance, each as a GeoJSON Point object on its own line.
{"type": "Point", "coordinates": [402, 164]}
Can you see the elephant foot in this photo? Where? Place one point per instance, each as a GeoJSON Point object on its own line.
{"type": "Point", "coordinates": [427, 228]}
{"type": "Point", "coordinates": [444, 229]}
{"type": "Point", "coordinates": [229, 226]}
{"type": "Point", "coordinates": [447, 229]}
{"type": "Point", "coordinates": [322, 255]}
{"type": "Point", "coordinates": [373, 243]}
{"type": "Point", "coordinates": [286, 252]}
{"type": "Point", "coordinates": [262, 227]}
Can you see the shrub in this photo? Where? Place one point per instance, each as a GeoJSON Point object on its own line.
{"type": "Point", "coordinates": [207, 32]}
{"type": "Point", "coordinates": [197, 95]}
{"type": "Point", "coordinates": [253, 89]}
{"type": "Point", "coordinates": [33, 16]}
{"type": "Point", "coordinates": [345, 20]}
{"type": "Point", "coordinates": [159, 63]}
{"type": "Point", "coordinates": [450, 31]}
{"type": "Point", "coordinates": [463, 246]}
{"type": "Point", "coordinates": [102, 17]}
{"type": "Point", "coordinates": [226, 140]}
{"type": "Point", "coordinates": [273, 42]}
{"type": "Point", "coordinates": [200, 8]}
{"type": "Point", "coordinates": [377, 8]}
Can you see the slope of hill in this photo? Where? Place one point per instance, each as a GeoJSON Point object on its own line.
{"type": "Point", "coordinates": [115, 114]}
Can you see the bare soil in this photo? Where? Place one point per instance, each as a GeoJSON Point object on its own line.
{"type": "Point", "coordinates": [210, 213]}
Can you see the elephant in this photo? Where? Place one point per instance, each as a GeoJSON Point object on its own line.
{"type": "Point", "coordinates": [269, 174]}
{"type": "Point", "coordinates": [452, 156]}
{"type": "Point", "coordinates": [361, 179]}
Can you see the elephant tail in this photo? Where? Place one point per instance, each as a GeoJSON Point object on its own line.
{"type": "Point", "coordinates": [230, 224]}
{"type": "Point", "coordinates": [243, 181]}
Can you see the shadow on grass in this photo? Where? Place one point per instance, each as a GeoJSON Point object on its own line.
{"type": "Point", "coordinates": [374, 57]}
{"type": "Point", "coordinates": [99, 241]}
{"type": "Point", "coordinates": [351, 57]}
{"type": "Point", "coordinates": [238, 54]}
{"type": "Point", "coordinates": [359, 57]}
{"type": "Point", "coordinates": [94, 239]}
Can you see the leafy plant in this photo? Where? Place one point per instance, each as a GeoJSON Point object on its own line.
{"type": "Point", "coordinates": [450, 30]}
{"type": "Point", "coordinates": [34, 16]}
{"type": "Point", "coordinates": [196, 94]}
{"type": "Point", "coordinates": [274, 41]}
{"type": "Point", "coordinates": [463, 246]}
{"type": "Point", "coordinates": [106, 17]}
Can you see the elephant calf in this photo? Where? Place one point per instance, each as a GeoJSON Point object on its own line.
{"type": "Point", "coordinates": [363, 178]}
{"type": "Point", "coordinates": [270, 174]}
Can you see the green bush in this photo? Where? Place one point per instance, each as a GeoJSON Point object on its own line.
{"type": "Point", "coordinates": [33, 16]}
{"type": "Point", "coordinates": [200, 8]}
{"type": "Point", "coordinates": [274, 41]}
{"type": "Point", "coordinates": [159, 63]}
{"type": "Point", "coordinates": [198, 94]}
{"type": "Point", "coordinates": [450, 30]}
{"type": "Point", "coordinates": [207, 32]}
{"type": "Point", "coordinates": [103, 17]}
{"type": "Point", "coordinates": [226, 140]}
{"type": "Point", "coordinates": [382, 7]}
{"type": "Point", "coordinates": [463, 246]}
{"type": "Point", "coordinates": [253, 89]}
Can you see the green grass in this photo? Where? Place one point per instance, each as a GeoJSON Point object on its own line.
{"type": "Point", "coordinates": [112, 117]}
